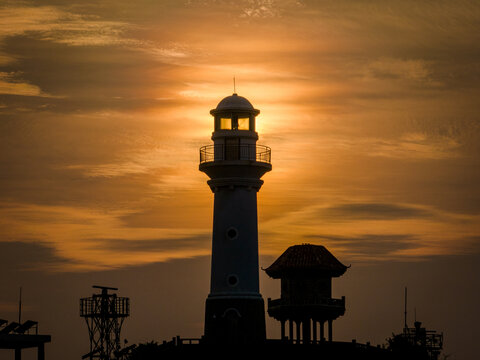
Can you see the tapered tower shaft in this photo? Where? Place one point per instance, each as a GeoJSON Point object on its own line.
{"type": "Point", "coordinates": [235, 163]}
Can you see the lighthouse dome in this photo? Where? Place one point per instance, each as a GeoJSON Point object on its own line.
{"type": "Point", "coordinates": [235, 102]}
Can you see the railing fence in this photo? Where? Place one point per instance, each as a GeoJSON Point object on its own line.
{"type": "Point", "coordinates": [221, 152]}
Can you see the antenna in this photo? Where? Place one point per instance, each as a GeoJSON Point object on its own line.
{"type": "Point", "coordinates": [234, 87]}
{"type": "Point", "coordinates": [405, 312]}
{"type": "Point", "coordinates": [20, 307]}
{"type": "Point", "coordinates": [104, 287]}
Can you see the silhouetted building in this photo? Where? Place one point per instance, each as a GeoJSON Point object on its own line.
{"type": "Point", "coordinates": [306, 273]}
{"type": "Point", "coordinates": [234, 311]}
{"type": "Point", "coordinates": [417, 343]}
{"type": "Point", "coordinates": [17, 336]}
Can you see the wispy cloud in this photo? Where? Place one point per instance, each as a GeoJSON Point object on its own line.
{"type": "Point", "coordinates": [368, 231]}
{"type": "Point", "coordinates": [11, 83]}
{"type": "Point", "coordinates": [414, 146]}
{"type": "Point", "coordinates": [55, 24]}
{"type": "Point", "coordinates": [416, 70]}
{"type": "Point", "coordinates": [373, 211]}
{"type": "Point", "coordinates": [199, 243]}
{"type": "Point", "coordinates": [373, 247]}
{"type": "Point", "coordinates": [79, 239]}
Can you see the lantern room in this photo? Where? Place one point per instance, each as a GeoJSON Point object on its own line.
{"type": "Point", "coordinates": [235, 140]}
{"type": "Point", "coordinates": [234, 113]}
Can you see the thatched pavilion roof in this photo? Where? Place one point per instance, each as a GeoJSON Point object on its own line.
{"type": "Point", "coordinates": [306, 260]}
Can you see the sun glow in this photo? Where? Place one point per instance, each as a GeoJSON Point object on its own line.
{"type": "Point", "coordinates": [116, 141]}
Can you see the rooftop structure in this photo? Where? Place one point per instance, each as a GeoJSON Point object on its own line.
{"type": "Point", "coordinates": [104, 314]}
{"type": "Point", "coordinates": [17, 336]}
{"type": "Point", "coordinates": [306, 260]}
{"type": "Point", "coordinates": [306, 273]}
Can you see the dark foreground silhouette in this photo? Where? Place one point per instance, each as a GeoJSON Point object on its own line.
{"type": "Point", "coordinates": [278, 349]}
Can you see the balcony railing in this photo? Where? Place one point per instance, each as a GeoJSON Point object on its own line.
{"type": "Point", "coordinates": [105, 307]}
{"type": "Point", "coordinates": [221, 152]}
{"type": "Point", "coordinates": [303, 302]}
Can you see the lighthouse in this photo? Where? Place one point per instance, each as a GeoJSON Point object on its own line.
{"type": "Point", "coordinates": [234, 309]}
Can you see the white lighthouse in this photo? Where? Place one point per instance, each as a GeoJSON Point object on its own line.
{"type": "Point", "coordinates": [235, 163]}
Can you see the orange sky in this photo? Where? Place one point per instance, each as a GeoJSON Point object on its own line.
{"type": "Point", "coordinates": [370, 108]}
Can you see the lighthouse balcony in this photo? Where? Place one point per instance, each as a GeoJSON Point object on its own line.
{"type": "Point", "coordinates": [222, 152]}
{"type": "Point", "coordinates": [320, 308]}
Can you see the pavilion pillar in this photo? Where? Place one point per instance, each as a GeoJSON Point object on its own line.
{"type": "Point", "coordinates": [41, 352]}
{"type": "Point", "coordinates": [298, 324]}
{"type": "Point", "coordinates": [290, 329]}
{"type": "Point", "coordinates": [282, 329]}
{"type": "Point", "coordinates": [314, 335]}
{"type": "Point", "coordinates": [330, 321]}
{"type": "Point", "coordinates": [306, 331]}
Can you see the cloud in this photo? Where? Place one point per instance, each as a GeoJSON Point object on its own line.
{"type": "Point", "coordinates": [393, 68]}
{"type": "Point", "coordinates": [28, 256]}
{"type": "Point", "coordinates": [10, 84]}
{"type": "Point", "coordinates": [409, 147]}
{"type": "Point", "coordinates": [200, 243]}
{"type": "Point", "coordinates": [369, 246]}
{"type": "Point", "coordinates": [91, 238]}
{"type": "Point", "coordinates": [110, 170]}
{"type": "Point", "coordinates": [373, 231]}
{"type": "Point", "coordinates": [373, 211]}
{"type": "Point", "coordinates": [56, 24]}
{"type": "Point", "coordinates": [261, 9]}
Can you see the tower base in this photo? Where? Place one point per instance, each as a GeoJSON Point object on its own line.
{"type": "Point", "coordinates": [230, 320]}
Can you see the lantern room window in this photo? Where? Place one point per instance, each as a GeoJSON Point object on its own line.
{"type": "Point", "coordinates": [243, 123]}
{"type": "Point", "coordinates": [235, 122]}
{"type": "Point", "coordinates": [225, 123]}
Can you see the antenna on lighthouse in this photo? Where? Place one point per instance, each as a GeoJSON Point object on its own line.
{"type": "Point", "coordinates": [234, 87]}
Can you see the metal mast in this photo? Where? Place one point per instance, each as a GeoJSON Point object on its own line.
{"type": "Point", "coordinates": [104, 314]}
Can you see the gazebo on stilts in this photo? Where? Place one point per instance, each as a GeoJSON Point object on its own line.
{"type": "Point", "coordinates": [306, 301]}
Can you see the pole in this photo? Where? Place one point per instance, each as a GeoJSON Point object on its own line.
{"type": "Point", "coordinates": [20, 307]}
{"type": "Point", "coordinates": [405, 325]}
{"type": "Point", "coordinates": [330, 331]}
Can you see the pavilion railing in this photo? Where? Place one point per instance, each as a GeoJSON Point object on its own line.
{"type": "Point", "coordinates": [318, 301]}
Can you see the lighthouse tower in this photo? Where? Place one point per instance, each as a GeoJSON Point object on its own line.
{"type": "Point", "coordinates": [235, 163]}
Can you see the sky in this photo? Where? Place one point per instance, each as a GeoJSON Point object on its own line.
{"type": "Point", "coordinates": [371, 110]}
